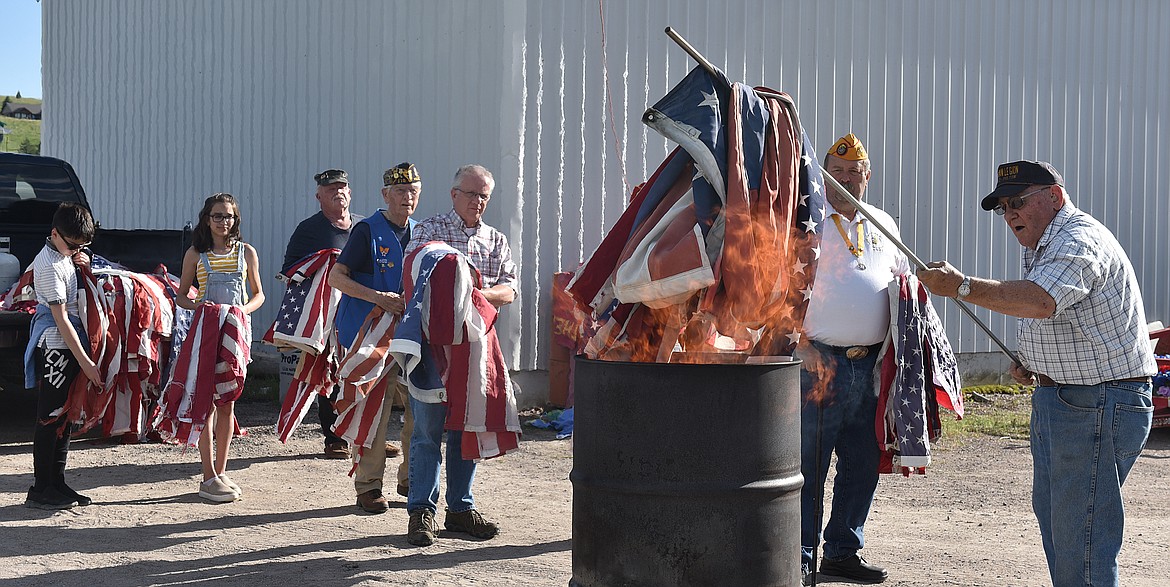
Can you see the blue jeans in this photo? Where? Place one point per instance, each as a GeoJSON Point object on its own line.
{"type": "Point", "coordinates": [1085, 439]}
{"type": "Point", "coordinates": [426, 458]}
{"type": "Point", "coordinates": [845, 419]}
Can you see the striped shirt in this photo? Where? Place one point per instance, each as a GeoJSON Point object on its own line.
{"type": "Point", "coordinates": [220, 264]}
{"type": "Point", "coordinates": [486, 247]}
{"type": "Point", "coordinates": [55, 282]}
{"type": "Point", "coordinates": [1098, 331]}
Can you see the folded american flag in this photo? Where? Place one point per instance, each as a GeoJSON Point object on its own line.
{"type": "Point", "coordinates": [446, 345]}
{"type": "Point", "coordinates": [211, 368]}
{"type": "Point", "coordinates": [918, 375]}
{"type": "Point", "coordinates": [305, 318]}
{"type": "Point", "coordinates": [305, 322]}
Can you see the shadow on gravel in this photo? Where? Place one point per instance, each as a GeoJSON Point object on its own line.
{"type": "Point", "coordinates": [285, 565]}
{"type": "Point", "coordinates": [86, 478]}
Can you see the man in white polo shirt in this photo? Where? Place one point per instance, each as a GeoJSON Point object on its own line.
{"type": "Point", "coordinates": [848, 321]}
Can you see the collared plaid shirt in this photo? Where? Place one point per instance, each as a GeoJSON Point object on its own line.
{"type": "Point", "coordinates": [1098, 331]}
{"type": "Point", "coordinates": [486, 247]}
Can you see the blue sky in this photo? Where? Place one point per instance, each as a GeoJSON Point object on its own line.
{"type": "Point", "coordinates": [20, 43]}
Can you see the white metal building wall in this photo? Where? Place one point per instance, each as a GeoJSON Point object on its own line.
{"type": "Point", "coordinates": [160, 103]}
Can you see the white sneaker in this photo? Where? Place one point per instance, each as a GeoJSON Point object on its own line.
{"type": "Point", "coordinates": [217, 491]}
{"type": "Point", "coordinates": [232, 484]}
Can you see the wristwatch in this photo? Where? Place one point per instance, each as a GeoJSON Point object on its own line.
{"type": "Point", "coordinates": [964, 289]}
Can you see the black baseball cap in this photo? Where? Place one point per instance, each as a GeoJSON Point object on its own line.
{"type": "Point", "coordinates": [331, 176]}
{"type": "Point", "coordinates": [1012, 178]}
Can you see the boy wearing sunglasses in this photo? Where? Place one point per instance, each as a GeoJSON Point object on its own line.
{"type": "Point", "coordinates": [1083, 342]}
{"type": "Point", "coordinates": [56, 353]}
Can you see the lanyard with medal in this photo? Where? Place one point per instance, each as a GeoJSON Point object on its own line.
{"type": "Point", "coordinates": [857, 249]}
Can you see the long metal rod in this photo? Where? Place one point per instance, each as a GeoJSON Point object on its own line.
{"type": "Point", "coordinates": [831, 181]}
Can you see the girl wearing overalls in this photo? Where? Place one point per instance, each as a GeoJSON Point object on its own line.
{"type": "Point", "coordinates": [227, 271]}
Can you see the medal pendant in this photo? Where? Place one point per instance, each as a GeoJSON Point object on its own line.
{"type": "Point", "coordinates": [860, 266]}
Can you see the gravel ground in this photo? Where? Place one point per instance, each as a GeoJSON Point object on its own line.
{"type": "Point", "coordinates": [968, 522]}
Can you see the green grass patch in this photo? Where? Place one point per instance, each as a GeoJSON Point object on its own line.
{"type": "Point", "coordinates": [20, 130]}
{"type": "Point", "coordinates": [992, 410]}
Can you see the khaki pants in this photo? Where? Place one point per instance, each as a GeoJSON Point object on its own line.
{"type": "Point", "coordinates": [372, 465]}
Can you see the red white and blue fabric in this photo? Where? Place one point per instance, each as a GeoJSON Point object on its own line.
{"type": "Point", "coordinates": [306, 322]}
{"type": "Point", "coordinates": [21, 296]}
{"type": "Point", "coordinates": [736, 210]}
{"type": "Point", "coordinates": [144, 314]}
{"type": "Point", "coordinates": [447, 347]}
{"type": "Point", "coordinates": [212, 365]}
{"type": "Point", "coordinates": [316, 374]}
{"type": "Point", "coordinates": [88, 401]}
{"type": "Point", "coordinates": [305, 318]}
{"type": "Point", "coordinates": [362, 373]}
{"type": "Point", "coordinates": [919, 375]}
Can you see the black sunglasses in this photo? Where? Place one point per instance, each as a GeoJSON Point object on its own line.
{"type": "Point", "coordinates": [1017, 202]}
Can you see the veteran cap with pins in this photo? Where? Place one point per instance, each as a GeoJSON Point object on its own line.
{"type": "Point", "coordinates": [402, 173]}
{"type": "Point", "coordinates": [331, 176]}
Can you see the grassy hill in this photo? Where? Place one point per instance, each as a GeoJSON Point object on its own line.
{"type": "Point", "coordinates": [21, 130]}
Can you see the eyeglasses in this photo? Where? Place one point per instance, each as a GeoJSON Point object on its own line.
{"type": "Point", "coordinates": [1017, 202]}
{"type": "Point", "coordinates": [476, 195]}
{"type": "Point", "coordinates": [229, 218]}
{"type": "Point", "coordinates": [72, 246]}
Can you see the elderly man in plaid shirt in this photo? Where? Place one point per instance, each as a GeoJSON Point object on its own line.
{"type": "Point", "coordinates": [1083, 341]}
{"type": "Point", "coordinates": [462, 228]}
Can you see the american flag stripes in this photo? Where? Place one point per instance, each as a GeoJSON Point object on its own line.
{"type": "Point", "coordinates": [210, 371]}
{"type": "Point", "coordinates": [145, 315]}
{"type": "Point", "coordinates": [306, 314]}
{"type": "Point", "coordinates": [446, 345]}
{"type": "Point", "coordinates": [306, 322]}
{"type": "Point", "coordinates": [316, 374]}
{"type": "Point", "coordinates": [363, 374]}
{"type": "Point", "coordinates": [89, 401]}
{"type": "Point", "coordinates": [735, 211]}
{"type": "Point", "coordinates": [919, 374]}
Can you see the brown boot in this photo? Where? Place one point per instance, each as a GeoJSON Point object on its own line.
{"type": "Point", "coordinates": [423, 529]}
{"type": "Point", "coordinates": [337, 450]}
{"type": "Point", "coordinates": [373, 501]}
{"type": "Point", "coordinates": [471, 522]}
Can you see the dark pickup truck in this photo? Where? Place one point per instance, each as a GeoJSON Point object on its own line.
{"type": "Point", "coordinates": [31, 188]}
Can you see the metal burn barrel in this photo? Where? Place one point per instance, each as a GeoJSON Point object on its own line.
{"type": "Point", "coordinates": [686, 474]}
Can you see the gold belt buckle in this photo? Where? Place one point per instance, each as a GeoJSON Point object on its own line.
{"type": "Point", "coordinates": [856, 352]}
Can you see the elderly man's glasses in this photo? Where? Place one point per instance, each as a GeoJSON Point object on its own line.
{"type": "Point", "coordinates": [474, 195]}
{"type": "Point", "coordinates": [228, 218]}
{"type": "Point", "coordinates": [1017, 202]}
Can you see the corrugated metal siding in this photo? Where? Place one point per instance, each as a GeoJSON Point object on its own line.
{"type": "Point", "coordinates": [160, 103]}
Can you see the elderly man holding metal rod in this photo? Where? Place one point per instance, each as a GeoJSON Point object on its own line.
{"type": "Point", "coordinates": [848, 321]}
{"type": "Point", "coordinates": [1083, 341]}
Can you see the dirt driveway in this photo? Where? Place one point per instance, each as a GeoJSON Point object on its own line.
{"type": "Point", "coordinates": [966, 523]}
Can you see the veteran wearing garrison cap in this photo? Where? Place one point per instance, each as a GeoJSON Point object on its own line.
{"type": "Point", "coordinates": [369, 273]}
{"type": "Point", "coordinates": [327, 229]}
{"type": "Point", "coordinates": [1083, 342]}
{"type": "Point", "coordinates": [845, 331]}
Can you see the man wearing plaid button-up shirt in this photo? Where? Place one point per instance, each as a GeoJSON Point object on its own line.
{"type": "Point", "coordinates": [1083, 341]}
{"type": "Point", "coordinates": [464, 229]}
{"type": "Point", "coordinates": [487, 248]}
